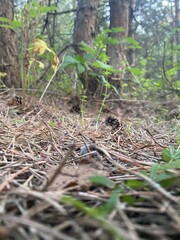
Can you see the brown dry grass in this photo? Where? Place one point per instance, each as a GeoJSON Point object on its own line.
{"type": "Point", "coordinates": [40, 162]}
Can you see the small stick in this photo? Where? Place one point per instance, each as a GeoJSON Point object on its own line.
{"type": "Point", "coordinates": [58, 169]}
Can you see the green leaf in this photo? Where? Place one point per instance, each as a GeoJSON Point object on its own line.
{"type": "Point", "coordinates": [110, 205]}
{"type": "Point", "coordinates": [88, 49]}
{"type": "Point", "coordinates": [45, 9]}
{"type": "Point", "coordinates": [33, 13]}
{"type": "Point", "coordinates": [128, 199]}
{"type": "Point", "coordinates": [170, 165]}
{"type": "Point", "coordinates": [4, 19]}
{"type": "Point", "coordinates": [178, 139]}
{"type": "Point", "coordinates": [81, 68]}
{"type": "Point", "coordinates": [70, 59]}
{"type": "Point", "coordinates": [153, 171]}
{"type": "Point", "coordinates": [93, 212]}
{"type": "Point", "coordinates": [166, 155]}
{"type": "Point", "coordinates": [88, 57]}
{"type": "Point", "coordinates": [135, 184]}
{"type": "Point", "coordinates": [112, 40]}
{"type": "Point", "coordinates": [101, 180]}
{"type": "Point", "coordinates": [171, 154]}
{"type": "Point", "coordinates": [5, 26]}
{"type": "Point", "coordinates": [136, 71]}
{"type": "Point", "coordinates": [163, 176]}
{"type": "Point", "coordinates": [132, 43]}
{"type": "Point", "coordinates": [171, 72]}
{"type": "Point", "coordinates": [10, 23]}
{"type": "Point", "coordinates": [102, 65]}
{"type": "Point", "coordinates": [170, 181]}
{"type": "Point", "coordinates": [52, 124]}
{"type": "Point", "coordinates": [16, 24]}
{"type": "Point", "coordinates": [114, 30]}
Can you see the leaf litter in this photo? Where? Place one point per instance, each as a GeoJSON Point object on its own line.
{"type": "Point", "coordinates": [49, 190]}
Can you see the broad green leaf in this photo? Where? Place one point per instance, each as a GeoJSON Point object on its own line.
{"type": "Point", "coordinates": [88, 57]}
{"type": "Point", "coordinates": [70, 60]}
{"type": "Point", "coordinates": [128, 199]}
{"type": "Point", "coordinates": [136, 71]}
{"type": "Point", "coordinates": [135, 184]}
{"type": "Point", "coordinates": [81, 68]}
{"type": "Point", "coordinates": [170, 181]}
{"type": "Point", "coordinates": [80, 59]}
{"type": "Point", "coordinates": [101, 180]}
{"type": "Point", "coordinates": [171, 72]}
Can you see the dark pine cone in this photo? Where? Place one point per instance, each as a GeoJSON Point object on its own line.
{"type": "Point", "coordinates": [75, 109]}
{"type": "Point", "coordinates": [113, 122]}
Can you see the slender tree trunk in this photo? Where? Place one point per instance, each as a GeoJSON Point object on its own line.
{"type": "Point", "coordinates": [85, 23]}
{"type": "Point", "coordinates": [177, 33]}
{"type": "Point", "coordinates": [131, 52]}
{"type": "Point", "coordinates": [119, 17]}
{"type": "Point", "coordinates": [8, 52]}
{"type": "Point", "coordinates": [177, 20]}
{"type": "Point", "coordinates": [84, 30]}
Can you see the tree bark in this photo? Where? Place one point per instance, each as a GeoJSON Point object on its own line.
{"type": "Point", "coordinates": [131, 52]}
{"type": "Point", "coordinates": [177, 20]}
{"type": "Point", "coordinates": [119, 17]}
{"type": "Point", "coordinates": [84, 30]}
{"type": "Point", "coordinates": [8, 51]}
{"type": "Point", "coordinates": [85, 23]}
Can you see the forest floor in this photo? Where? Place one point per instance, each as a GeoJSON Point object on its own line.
{"type": "Point", "coordinates": [71, 175]}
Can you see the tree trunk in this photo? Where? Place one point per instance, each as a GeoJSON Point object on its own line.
{"type": "Point", "coordinates": [8, 52]}
{"type": "Point", "coordinates": [177, 33]}
{"type": "Point", "coordinates": [119, 17]}
{"type": "Point", "coordinates": [177, 20]}
{"type": "Point", "coordinates": [131, 51]}
{"type": "Point", "coordinates": [84, 30]}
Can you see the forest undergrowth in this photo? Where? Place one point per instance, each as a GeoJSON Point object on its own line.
{"type": "Point", "coordinates": [68, 172]}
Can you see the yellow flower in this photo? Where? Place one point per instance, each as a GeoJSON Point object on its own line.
{"type": "Point", "coordinates": [55, 63]}
{"type": "Point", "coordinates": [39, 47]}
{"type": "Point", "coordinates": [3, 74]}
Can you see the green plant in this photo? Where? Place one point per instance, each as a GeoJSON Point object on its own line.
{"type": "Point", "coordinates": [107, 86]}
{"type": "Point", "coordinates": [94, 61]}
{"type": "Point", "coordinates": [27, 16]}
{"type": "Point", "coordinates": [83, 101]}
{"type": "Point", "coordinates": [172, 154]}
{"type": "Point", "coordinates": [162, 172]}
{"type": "Point", "coordinates": [98, 214]}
